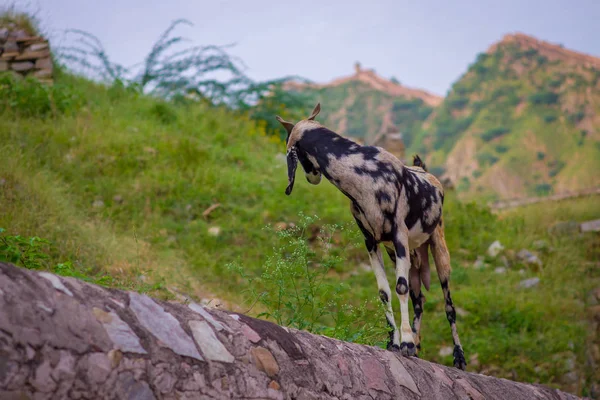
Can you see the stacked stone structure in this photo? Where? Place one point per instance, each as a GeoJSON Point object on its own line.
{"type": "Point", "coordinates": [25, 54]}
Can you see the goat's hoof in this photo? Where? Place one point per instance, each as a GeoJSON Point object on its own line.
{"type": "Point", "coordinates": [393, 347]}
{"type": "Point", "coordinates": [459, 358]}
{"type": "Point", "coordinates": [408, 349]}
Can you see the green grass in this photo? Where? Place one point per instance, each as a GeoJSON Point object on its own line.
{"type": "Point", "coordinates": [13, 17]}
{"type": "Point", "coordinates": [118, 182]}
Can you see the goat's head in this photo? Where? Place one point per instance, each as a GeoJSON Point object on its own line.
{"type": "Point", "coordinates": [295, 153]}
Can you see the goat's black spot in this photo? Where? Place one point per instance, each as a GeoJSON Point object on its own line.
{"type": "Point", "coordinates": [459, 357]}
{"type": "Point", "coordinates": [322, 142]}
{"type": "Point", "coordinates": [400, 250]}
{"type": "Point", "coordinates": [419, 203]}
{"type": "Point", "coordinates": [393, 347]}
{"type": "Point", "coordinates": [392, 254]}
{"type": "Point", "coordinates": [361, 170]}
{"type": "Point", "coordinates": [306, 164]}
{"type": "Point", "coordinates": [383, 296]}
{"type": "Point", "coordinates": [370, 241]}
{"type": "Point", "coordinates": [407, 345]}
{"type": "Point", "coordinates": [382, 196]}
{"type": "Point", "coordinates": [451, 315]}
{"type": "Point", "coordinates": [417, 304]}
{"type": "Point", "coordinates": [402, 286]}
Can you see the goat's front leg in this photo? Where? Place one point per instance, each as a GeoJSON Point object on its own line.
{"type": "Point", "coordinates": [385, 294]}
{"type": "Point", "coordinates": [416, 296]}
{"type": "Point", "coordinates": [407, 345]}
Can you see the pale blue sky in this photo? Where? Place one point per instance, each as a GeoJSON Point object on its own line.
{"type": "Point", "coordinates": [425, 44]}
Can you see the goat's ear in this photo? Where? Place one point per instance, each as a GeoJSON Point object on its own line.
{"type": "Point", "coordinates": [315, 112]}
{"type": "Point", "coordinates": [292, 163]}
{"type": "Point", "coordinates": [287, 125]}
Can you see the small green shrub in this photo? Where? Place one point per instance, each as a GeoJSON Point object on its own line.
{"type": "Point", "coordinates": [582, 134]}
{"type": "Point", "coordinates": [555, 167]}
{"type": "Point", "coordinates": [477, 173]}
{"type": "Point", "coordinates": [541, 155]}
{"type": "Point", "coordinates": [501, 148]}
{"type": "Point", "coordinates": [164, 112]}
{"type": "Point", "coordinates": [295, 292]}
{"type": "Point", "coordinates": [493, 133]}
{"type": "Point", "coordinates": [29, 97]}
{"type": "Point", "coordinates": [464, 184]}
{"type": "Point", "coordinates": [543, 98]}
{"type": "Point", "coordinates": [448, 128]}
{"type": "Point", "coordinates": [458, 103]}
{"type": "Point", "coordinates": [529, 53]}
{"type": "Point", "coordinates": [549, 118]}
{"type": "Point", "coordinates": [119, 91]}
{"type": "Point", "coordinates": [28, 252]}
{"type": "Point", "coordinates": [555, 83]}
{"type": "Point", "coordinates": [543, 189]}
{"type": "Point", "coordinates": [486, 159]}
{"type": "Point", "coordinates": [576, 117]}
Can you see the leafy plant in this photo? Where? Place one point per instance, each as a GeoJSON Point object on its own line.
{"type": "Point", "coordinates": [294, 291]}
{"type": "Point", "coordinates": [28, 252]}
{"type": "Point", "coordinates": [31, 98]}
{"type": "Point", "coordinates": [173, 73]}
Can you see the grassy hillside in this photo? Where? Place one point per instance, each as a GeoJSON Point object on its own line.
{"type": "Point", "coordinates": [143, 171]}
{"type": "Point", "coordinates": [523, 120]}
{"type": "Point", "coordinates": [119, 182]}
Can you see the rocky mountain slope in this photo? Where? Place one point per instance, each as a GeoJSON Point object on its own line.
{"type": "Point", "coordinates": [522, 121]}
{"type": "Point", "coordinates": [364, 104]}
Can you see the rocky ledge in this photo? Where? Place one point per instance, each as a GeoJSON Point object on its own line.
{"type": "Point", "coordinates": [61, 338]}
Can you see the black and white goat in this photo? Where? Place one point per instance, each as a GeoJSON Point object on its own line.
{"type": "Point", "coordinates": [397, 205]}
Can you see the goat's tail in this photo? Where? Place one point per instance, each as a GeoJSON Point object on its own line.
{"type": "Point", "coordinates": [417, 162]}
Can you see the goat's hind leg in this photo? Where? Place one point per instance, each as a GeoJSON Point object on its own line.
{"type": "Point", "coordinates": [441, 256]}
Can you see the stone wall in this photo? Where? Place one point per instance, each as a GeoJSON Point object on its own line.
{"type": "Point", "coordinates": [25, 54]}
{"type": "Point", "coordinates": [62, 338]}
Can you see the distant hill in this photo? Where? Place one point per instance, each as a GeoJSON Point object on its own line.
{"type": "Point", "coordinates": [364, 105]}
{"type": "Point", "coordinates": [522, 120]}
